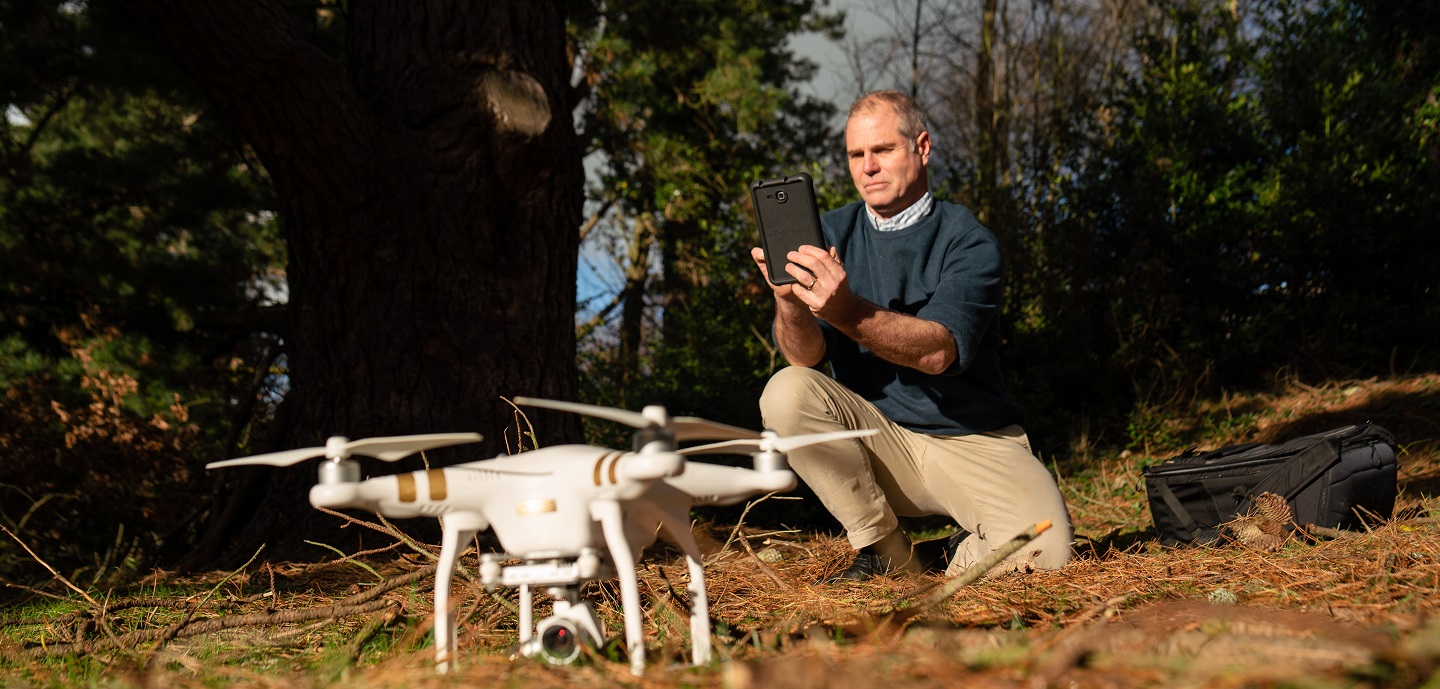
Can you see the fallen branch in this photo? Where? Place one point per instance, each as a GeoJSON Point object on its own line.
{"type": "Point", "coordinates": [371, 628]}
{"type": "Point", "coordinates": [207, 626]}
{"type": "Point", "coordinates": [110, 607]}
{"type": "Point", "coordinates": [358, 604]}
{"type": "Point", "coordinates": [741, 521]}
{"type": "Point", "coordinates": [897, 618]}
{"type": "Point", "coordinates": [190, 614]}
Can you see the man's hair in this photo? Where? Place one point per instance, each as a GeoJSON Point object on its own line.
{"type": "Point", "coordinates": [912, 121]}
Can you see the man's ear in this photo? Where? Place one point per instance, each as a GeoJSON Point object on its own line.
{"type": "Point", "coordinates": [922, 147]}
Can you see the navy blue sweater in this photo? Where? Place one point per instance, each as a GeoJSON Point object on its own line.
{"type": "Point", "coordinates": [946, 269]}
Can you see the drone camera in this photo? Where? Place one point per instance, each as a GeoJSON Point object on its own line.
{"type": "Point", "coordinates": [558, 641]}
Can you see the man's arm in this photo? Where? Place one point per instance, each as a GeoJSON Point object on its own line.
{"type": "Point", "coordinates": [898, 338]}
{"type": "Point", "coordinates": [797, 332]}
{"type": "Point", "coordinates": [895, 337]}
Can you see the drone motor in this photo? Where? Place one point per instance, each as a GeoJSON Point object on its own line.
{"type": "Point", "coordinates": [339, 471]}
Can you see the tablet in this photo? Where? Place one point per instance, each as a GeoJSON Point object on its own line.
{"type": "Point", "coordinates": [788, 218]}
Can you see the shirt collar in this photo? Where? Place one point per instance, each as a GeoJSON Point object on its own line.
{"type": "Point", "coordinates": [904, 218]}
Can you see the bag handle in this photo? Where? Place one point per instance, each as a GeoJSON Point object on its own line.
{"type": "Point", "coordinates": [1186, 522]}
{"type": "Point", "coordinates": [1288, 478]}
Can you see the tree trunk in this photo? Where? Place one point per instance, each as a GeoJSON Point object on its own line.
{"type": "Point", "coordinates": [430, 192]}
{"type": "Point", "coordinates": [987, 148]}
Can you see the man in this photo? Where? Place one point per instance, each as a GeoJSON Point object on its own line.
{"type": "Point", "coordinates": [903, 306]}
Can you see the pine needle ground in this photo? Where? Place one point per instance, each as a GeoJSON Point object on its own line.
{"type": "Point", "coordinates": [1353, 609]}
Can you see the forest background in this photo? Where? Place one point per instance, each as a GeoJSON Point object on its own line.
{"type": "Point", "coordinates": [228, 230]}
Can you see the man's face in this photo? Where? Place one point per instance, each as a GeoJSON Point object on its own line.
{"type": "Point", "coordinates": [889, 174]}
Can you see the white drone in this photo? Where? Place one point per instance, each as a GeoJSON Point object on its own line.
{"type": "Point", "coordinates": [570, 514]}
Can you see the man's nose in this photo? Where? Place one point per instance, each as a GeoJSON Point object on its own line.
{"type": "Point", "coordinates": [872, 164]}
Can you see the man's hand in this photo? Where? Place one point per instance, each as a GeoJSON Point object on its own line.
{"type": "Point", "coordinates": [823, 287]}
{"type": "Point", "coordinates": [797, 333]}
{"type": "Point", "coordinates": [824, 290]}
{"type": "Point", "coordinates": [786, 292]}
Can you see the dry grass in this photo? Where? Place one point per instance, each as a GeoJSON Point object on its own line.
{"type": "Point", "coordinates": [1355, 610]}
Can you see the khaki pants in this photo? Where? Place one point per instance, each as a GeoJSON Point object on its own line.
{"type": "Point", "coordinates": [989, 483]}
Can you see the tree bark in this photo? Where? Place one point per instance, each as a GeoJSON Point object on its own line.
{"type": "Point", "coordinates": [430, 189]}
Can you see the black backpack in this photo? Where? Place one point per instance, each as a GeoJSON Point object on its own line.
{"type": "Point", "coordinates": [1333, 479]}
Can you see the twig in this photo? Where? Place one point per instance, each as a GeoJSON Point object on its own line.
{"type": "Point", "coordinates": [388, 529]}
{"type": "Point", "coordinates": [1317, 532]}
{"type": "Point", "coordinates": [519, 435]}
{"type": "Point", "coordinates": [975, 571]}
{"type": "Point", "coordinates": [46, 565]}
{"type": "Point", "coordinates": [415, 545]}
{"type": "Point", "coordinates": [741, 521]}
{"type": "Point", "coordinates": [391, 583]}
{"type": "Point", "coordinates": [37, 592]}
{"type": "Point", "coordinates": [110, 607]}
{"type": "Point", "coordinates": [677, 617]}
{"type": "Point", "coordinates": [763, 567]}
{"type": "Point", "coordinates": [344, 558]}
{"type": "Point", "coordinates": [283, 638]}
{"type": "Point", "coordinates": [371, 628]}
{"type": "Point", "coordinates": [358, 522]}
{"type": "Point", "coordinates": [511, 606]}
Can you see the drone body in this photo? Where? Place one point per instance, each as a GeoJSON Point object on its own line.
{"type": "Point", "coordinates": [570, 514]}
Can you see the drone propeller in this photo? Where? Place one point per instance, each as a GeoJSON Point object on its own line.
{"type": "Point", "coordinates": [770, 441]}
{"type": "Point", "coordinates": [389, 449]}
{"type": "Point", "coordinates": [653, 417]}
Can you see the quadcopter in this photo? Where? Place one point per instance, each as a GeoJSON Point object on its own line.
{"type": "Point", "coordinates": [569, 513]}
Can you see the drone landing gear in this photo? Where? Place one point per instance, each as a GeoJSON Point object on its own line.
{"type": "Point", "coordinates": [608, 513]}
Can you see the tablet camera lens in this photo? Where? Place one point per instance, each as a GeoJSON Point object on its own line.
{"type": "Point", "coordinates": [781, 196]}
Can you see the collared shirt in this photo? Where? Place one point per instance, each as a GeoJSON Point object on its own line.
{"type": "Point", "coordinates": [904, 218]}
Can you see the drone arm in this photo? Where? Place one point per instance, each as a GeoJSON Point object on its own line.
{"type": "Point", "coordinates": [721, 485]}
{"type": "Point", "coordinates": [459, 528]}
{"type": "Point", "coordinates": [607, 512]}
